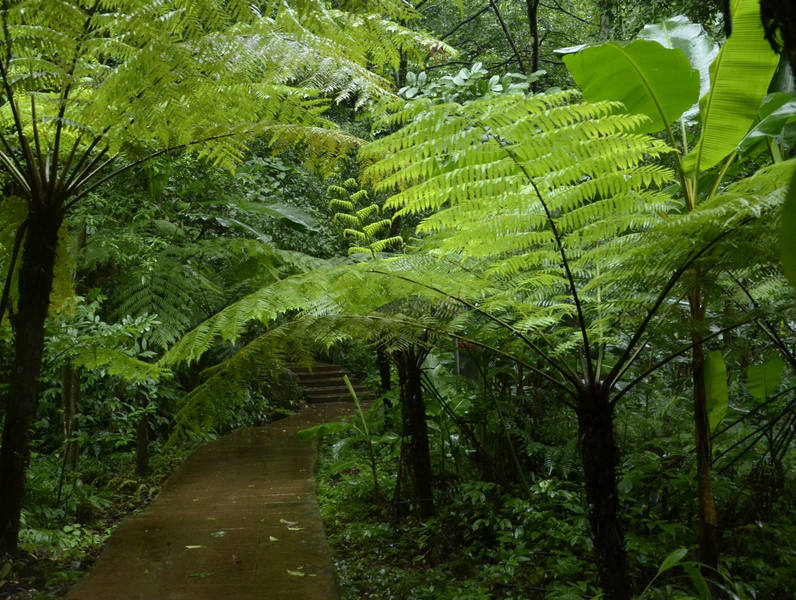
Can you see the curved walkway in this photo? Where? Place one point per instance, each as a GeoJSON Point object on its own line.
{"type": "Point", "coordinates": [237, 520]}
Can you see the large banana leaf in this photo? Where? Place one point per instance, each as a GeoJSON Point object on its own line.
{"type": "Point", "coordinates": [646, 77]}
{"type": "Point", "coordinates": [739, 81]}
{"type": "Point", "coordinates": [680, 33]}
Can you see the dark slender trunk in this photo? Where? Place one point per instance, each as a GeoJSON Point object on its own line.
{"type": "Point", "coordinates": [70, 393]}
{"type": "Point", "coordinates": [142, 445]}
{"type": "Point", "coordinates": [415, 449]}
{"type": "Point", "coordinates": [708, 518]}
{"type": "Point", "coordinates": [384, 369]}
{"type": "Point", "coordinates": [600, 457]}
{"type": "Point", "coordinates": [400, 74]}
{"type": "Point", "coordinates": [533, 24]}
{"type": "Point", "coordinates": [35, 284]}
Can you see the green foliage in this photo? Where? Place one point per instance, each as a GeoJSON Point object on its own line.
{"type": "Point", "coordinates": [716, 393]}
{"type": "Point", "coordinates": [646, 77]}
{"type": "Point", "coordinates": [787, 239]}
{"type": "Point", "coordinates": [740, 75]}
{"type": "Point", "coordinates": [467, 84]}
{"type": "Point", "coordinates": [762, 380]}
{"type": "Point", "coordinates": [700, 50]}
{"type": "Point", "coordinates": [369, 231]}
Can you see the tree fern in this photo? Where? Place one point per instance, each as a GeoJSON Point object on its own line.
{"type": "Point", "coordinates": [87, 84]}
{"type": "Point", "coordinates": [369, 231]}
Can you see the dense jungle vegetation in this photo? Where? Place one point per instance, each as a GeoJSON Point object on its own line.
{"type": "Point", "coordinates": [556, 237]}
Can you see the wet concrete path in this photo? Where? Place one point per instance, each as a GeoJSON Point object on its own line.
{"type": "Point", "coordinates": [237, 520]}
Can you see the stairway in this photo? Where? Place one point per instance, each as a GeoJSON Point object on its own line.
{"type": "Point", "coordinates": [324, 383]}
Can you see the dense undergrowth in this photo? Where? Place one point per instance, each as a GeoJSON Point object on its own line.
{"type": "Point", "coordinates": [63, 531]}
{"type": "Point", "coordinates": [493, 537]}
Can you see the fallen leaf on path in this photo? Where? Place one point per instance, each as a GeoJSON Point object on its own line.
{"type": "Point", "coordinates": [272, 539]}
{"type": "Point", "coordinates": [220, 533]}
{"type": "Point", "coordinates": [194, 546]}
{"type": "Point", "coordinates": [288, 523]}
{"type": "Point", "coordinates": [295, 528]}
{"type": "Point", "coordinates": [295, 573]}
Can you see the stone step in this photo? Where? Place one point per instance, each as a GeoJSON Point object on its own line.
{"type": "Point", "coordinates": [323, 382]}
{"type": "Point", "coordinates": [323, 379]}
{"type": "Point", "coordinates": [318, 368]}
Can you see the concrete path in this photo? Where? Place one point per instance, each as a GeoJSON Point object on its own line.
{"type": "Point", "coordinates": [238, 520]}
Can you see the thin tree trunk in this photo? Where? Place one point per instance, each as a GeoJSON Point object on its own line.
{"type": "Point", "coordinates": [70, 392]}
{"type": "Point", "coordinates": [142, 445]}
{"type": "Point", "coordinates": [415, 431]}
{"type": "Point", "coordinates": [383, 360]}
{"type": "Point", "coordinates": [35, 285]}
{"type": "Point", "coordinates": [509, 38]}
{"type": "Point", "coordinates": [533, 25]}
{"type": "Point", "coordinates": [708, 518]}
{"type": "Point", "coordinates": [599, 456]}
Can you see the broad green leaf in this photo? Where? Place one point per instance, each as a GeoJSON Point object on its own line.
{"type": "Point", "coordinates": [769, 127]}
{"type": "Point", "coordinates": [672, 560]}
{"type": "Point", "coordinates": [739, 80]}
{"type": "Point", "coordinates": [291, 215]}
{"type": "Point", "coordinates": [715, 387]}
{"type": "Point", "coordinates": [680, 33]}
{"type": "Point", "coordinates": [763, 379]}
{"type": "Point", "coordinates": [698, 580]}
{"type": "Point", "coordinates": [646, 77]}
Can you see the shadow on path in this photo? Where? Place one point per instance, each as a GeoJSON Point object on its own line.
{"type": "Point", "coordinates": [237, 520]}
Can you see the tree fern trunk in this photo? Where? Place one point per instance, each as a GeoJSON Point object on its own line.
{"type": "Point", "coordinates": [600, 457]}
{"type": "Point", "coordinates": [415, 432]}
{"type": "Point", "coordinates": [35, 284]}
{"type": "Point", "coordinates": [708, 519]}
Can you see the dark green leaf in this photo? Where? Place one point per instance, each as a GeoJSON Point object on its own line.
{"type": "Point", "coordinates": [715, 387]}
{"type": "Point", "coordinates": [763, 379]}
{"type": "Point", "coordinates": [672, 560]}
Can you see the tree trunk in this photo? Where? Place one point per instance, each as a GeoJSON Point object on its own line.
{"type": "Point", "coordinates": [600, 457]}
{"type": "Point", "coordinates": [384, 369]}
{"type": "Point", "coordinates": [533, 24]}
{"type": "Point", "coordinates": [708, 519]}
{"type": "Point", "coordinates": [142, 445]}
{"type": "Point", "coordinates": [70, 392]}
{"type": "Point", "coordinates": [35, 284]}
{"type": "Point", "coordinates": [415, 447]}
